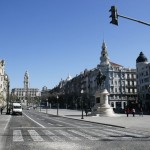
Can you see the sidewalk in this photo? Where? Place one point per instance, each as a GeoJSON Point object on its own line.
{"type": "Point", "coordinates": [137, 122]}
{"type": "Point", "coordinates": [4, 120]}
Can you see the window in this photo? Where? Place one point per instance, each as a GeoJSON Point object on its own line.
{"type": "Point", "coordinates": [112, 82]}
{"type": "Point", "coordinates": [115, 89]}
{"type": "Point", "coordinates": [128, 82]}
{"type": "Point", "coordinates": [122, 75]}
{"type": "Point", "coordinates": [133, 83]}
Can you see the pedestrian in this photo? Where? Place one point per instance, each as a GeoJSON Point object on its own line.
{"type": "Point", "coordinates": [86, 111]}
{"type": "Point", "coordinates": [133, 112]}
{"type": "Point", "coordinates": [1, 110]}
{"type": "Point", "coordinates": [9, 110]}
{"type": "Point", "coordinates": [127, 111]}
{"type": "Point", "coordinates": [141, 112]}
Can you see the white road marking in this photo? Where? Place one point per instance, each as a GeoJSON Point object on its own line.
{"type": "Point", "coordinates": [17, 136]}
{"type": "Point", "coordinates": [68, 135]}
{"type": "Point", "coordinates": [35, 136]}
{"type": "Point", "coordinates": [7, 123]}
{"type": "Point", "coordinates": [87, 136]}
{"type": "Point", "coordinates": [52, 136]}
{"type": "Point", "coordinates": [34, 121]}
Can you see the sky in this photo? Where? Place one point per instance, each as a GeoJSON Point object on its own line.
{"type": "Point", "coordinates": [53, 38]}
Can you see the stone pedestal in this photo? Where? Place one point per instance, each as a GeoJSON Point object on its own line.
{"type": "Point", "coordinates": [102, 108]}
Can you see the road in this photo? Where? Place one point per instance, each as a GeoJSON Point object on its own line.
{"type": "Point", "coordinates": [40, 131]}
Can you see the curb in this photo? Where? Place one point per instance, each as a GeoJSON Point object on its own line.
{"type": "Point", "coordinates": [95, 122]}
{"type": "Point", "coordinates": [86, 120]}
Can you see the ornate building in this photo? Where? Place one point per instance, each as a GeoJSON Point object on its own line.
{"type": "Point", "coordinates": [26, 95]}
{"type": "Point", "coordinates": [120, 82]}
{"type": "Point", "coordinates": [143, 81]}
{"type": "Point", "coordinates": [4, 84]}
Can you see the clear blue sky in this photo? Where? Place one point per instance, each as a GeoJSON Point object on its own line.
{"type": "Point", "coordinates": [51, 38]}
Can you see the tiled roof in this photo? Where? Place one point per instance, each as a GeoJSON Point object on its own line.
{"type": "Point", "coordinates": [115, 65]}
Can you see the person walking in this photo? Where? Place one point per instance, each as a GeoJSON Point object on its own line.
{"type": "Point", "coordinates": [1, 110]}
{"type": "Point", "coordinates": [127, 111]}
{"type": "Point", "coordinates": [141, 112]}
{"type": "Point", "coordinates": [133, 112]}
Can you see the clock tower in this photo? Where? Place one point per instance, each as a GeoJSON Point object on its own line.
{"type": "Point", "coordinates": [26, 80]}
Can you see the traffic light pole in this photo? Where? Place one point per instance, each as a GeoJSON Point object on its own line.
{"type": "Point", "coordinates": [114, 16]}
{"type": "Point", "coordinates": [134, 20]}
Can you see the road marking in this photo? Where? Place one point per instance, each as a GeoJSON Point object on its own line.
{"type": "Point", "coordinates": [17, 136]}
{"type": "Point", "coordinates": [35, 136]}
{"type": "Point", "coordinates": [7, 123]}
{"type": "Point", "coordinates": [71, 137]}
{"type": "Point", "coordinates": [67, 127]}
{"type": "Point", "coordinates": [84, 135]}
{"type": "Point", "coordinates": [53, 136]}
{"type": "Point", "coordinates": [34, 121]}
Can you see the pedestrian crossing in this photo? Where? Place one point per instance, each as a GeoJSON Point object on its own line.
{"type": "Point", "coordinates": [61, 135]}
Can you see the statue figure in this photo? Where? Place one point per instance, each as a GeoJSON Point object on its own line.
{"type": "Point", "coordinates": [100, 78]}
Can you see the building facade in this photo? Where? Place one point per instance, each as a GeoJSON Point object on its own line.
{"type": "Point", "coordinates": [26, 95]}
{"type": "Point", "coordinates": [120, 82]}
{"type": "Point", "coordinates": [4, 84]}
{"type": "Point", "coordinates": [143, 81]}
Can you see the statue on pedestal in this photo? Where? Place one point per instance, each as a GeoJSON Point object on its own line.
{"type": "Point", "coordinates": [100, 79]}
{"type": "Point", "coordinates": [101, 107]}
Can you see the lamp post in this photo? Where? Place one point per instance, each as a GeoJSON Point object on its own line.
{"type": "Point", "coordinates": [82, 103]}
{"type": "Point", "coordinates": [46, 105]}
{"type": "Point", "coordinates": [40, 105]}
{"type": "Point", "coordinates": [57, 104]}
{"type": "Point", "coordinates": [7, 79]}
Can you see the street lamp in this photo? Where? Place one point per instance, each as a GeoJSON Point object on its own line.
{"type": "Point", "coordinates": [46, 105]}
{"type": "Point", "coordinates": [57, 104]}
{"type": "Point", "coordinates": [82, 103]}
{"type": "Point", "coordinates": [40, 105]}
{"type": "Point", "coordinates": [7, 81]}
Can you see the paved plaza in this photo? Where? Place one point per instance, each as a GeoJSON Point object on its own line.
{"type": "Point", "coordinates": [137, 122]}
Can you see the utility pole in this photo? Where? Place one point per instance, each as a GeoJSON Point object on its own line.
{"type": "Point", "coordinates": [114, 16]}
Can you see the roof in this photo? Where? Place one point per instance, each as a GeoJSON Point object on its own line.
{"type": "Point", "coordinates": [115, 65]}
{"type": "Point", "coordinates": [141, 58]}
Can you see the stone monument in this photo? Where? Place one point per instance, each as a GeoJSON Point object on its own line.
{"type": "Point", "coordinates": [101, 107]}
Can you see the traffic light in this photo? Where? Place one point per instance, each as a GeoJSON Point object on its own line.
{"type": "Point", "coordinates": [114, 15]}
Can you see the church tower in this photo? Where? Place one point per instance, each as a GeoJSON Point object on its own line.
{"type": "Point", "coordinates": [104, 60]}
{"type": "Point", "coordinates": [26, 80]}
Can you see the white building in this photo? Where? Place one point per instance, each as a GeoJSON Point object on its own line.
{"type": "Point", "coordinates": [26, 95]}
{"type": "Point", "coordinates": [120, 82]}
{"type": "Point", "coordinates": [143, 81]}
{"type": "Point", "coordinates": [4, 84]}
